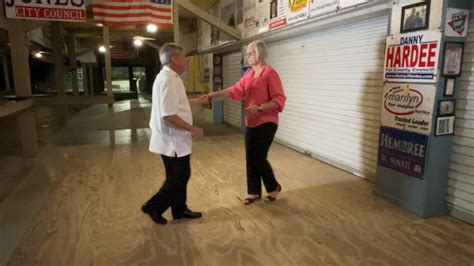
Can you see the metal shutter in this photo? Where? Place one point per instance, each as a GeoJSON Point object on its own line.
{"type": "Point", "coordinates": [333, 82]}
{"type": "Point", "coordinates": [231, 74]}
{"type": "Point", "coordinates": [461, 175]}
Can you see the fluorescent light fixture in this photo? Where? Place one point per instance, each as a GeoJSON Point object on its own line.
{"type": "Point", "coordinates": [102, 49]}
{"type": "Point", "coordinates": [137, 42]}
{"type": "Point", "coordinates": [152, 28]}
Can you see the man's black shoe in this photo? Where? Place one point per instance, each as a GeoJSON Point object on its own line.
{"type": "Point", "coordinates": [154, 215]}
{"type": "Point", "coordinates": [157, 218]}
{"type": "Point", "coordinates": [189, 214]}
{"type": "Point", "coordinates": [145, 208]}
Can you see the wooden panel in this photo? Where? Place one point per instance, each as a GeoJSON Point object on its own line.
{"type": "Point", "coordinates": [324, 216]}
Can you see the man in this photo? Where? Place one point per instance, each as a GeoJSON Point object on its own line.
{"type": "Point", "coordinates": [410, 20]}
{"type": "Point", "coordinates": [172, 130]}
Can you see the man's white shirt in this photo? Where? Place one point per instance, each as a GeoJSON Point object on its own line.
{"type": "Point", "coordinates": [169, 98]}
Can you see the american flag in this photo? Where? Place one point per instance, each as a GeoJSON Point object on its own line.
{"type": "Point", "coordinates": [133, 12]}
{"type": "Point", "coordinates": [122, 50]}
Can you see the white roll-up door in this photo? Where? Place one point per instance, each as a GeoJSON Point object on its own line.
{"type": "Point", "coordinates": [231, 74]}
{"type": "Point", "coordinates": [333, 82]}
{"type": "Point", "coordinates": [461, 171]}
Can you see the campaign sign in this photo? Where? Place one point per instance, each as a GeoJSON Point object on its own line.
{"type": "Point", "coordinates": [457, 21]}
{"type": "Point", "coordinates": [412, 57]}
{"type": "Point", "coordinates": [278, 10]}
{"type": "Point", "coordinates": [61, 10]}
{"type": "Point", "coordinates": [321, 7]}
{"type": "Point", "coordinates": [408, 106]}
{"type": "Point", "coordinates": [403, 151]}
{"type": "Point", "coordinates": [298, 10]}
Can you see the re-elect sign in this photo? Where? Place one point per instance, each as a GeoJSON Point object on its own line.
{"type": "Point", "coordinates": [62, 10]}
{"type": "Point", "coordinates": [403, 151]}
{"type": "Point", "coordinates": [412, 57]}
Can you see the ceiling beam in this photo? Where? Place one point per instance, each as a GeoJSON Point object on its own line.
{"type": "Point", "coordinates": [214, 21]}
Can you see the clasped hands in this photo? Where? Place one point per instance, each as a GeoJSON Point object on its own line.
{"type": "Point", "coordinates": [207, 98]}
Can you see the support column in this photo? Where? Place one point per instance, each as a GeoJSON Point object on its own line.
{"type": "Point", "coordinates": [176, 22]}
{"type": "Point", "coordinates": [85, 79]}
{"type": "Point", "coordinates": [108, 61]}
{"type": "Point", "coordinates": [6, 75]}
{"type": "Point", "coordinates": [58, 41]}
{"type": "Point", "coordinates": [73, 63]}
{"type": "Point", "coordinates": [19, 56]}
{"type": "Point", "coordinates": [29, 139]}
{"type": "Point", "coordinates": [91, 79]}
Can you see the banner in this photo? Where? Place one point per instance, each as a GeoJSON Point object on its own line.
{"type": "Point", "coordinates": [73, 10]}
{"type": "Point", "coordinates": [298, 10]}
{"type": "Point", "coordinates": [408, 107]}
{"type": "Point", "coordinates": [348, 3]}
{"type": "Point", "coordinates": [227, 15]}
{"type": "Point", "coordinates": [278, 9]}
{"type": "Point", "coordinates": [457, 21]}
{"type": "Point", "coordinates": [256, 17]}
{"type": "Point", "coordinates": [321, 7]}
{"type": "Point", "coordinates": [412, 57]}
{"type": "Point", "coordinates": [250, 21]}
{"type": "Point", "coordinates": [403, 151]}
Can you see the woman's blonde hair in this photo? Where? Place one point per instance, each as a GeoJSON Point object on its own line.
{"type": "Point", "coordinates": [260, 50]}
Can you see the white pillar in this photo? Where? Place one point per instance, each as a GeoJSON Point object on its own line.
{"type": "Point", "coordinates": [108, 61]}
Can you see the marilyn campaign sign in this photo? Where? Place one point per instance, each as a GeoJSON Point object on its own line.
{"type": "Point", "coordinates": [408, 106]}
{"type": "Point", "coordinates": [62, 10]}
{"type": "Point", "coordinates": [412, 57]}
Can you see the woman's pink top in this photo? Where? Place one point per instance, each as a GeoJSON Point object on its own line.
{"type": "Point", "coordinates": [267, 87]}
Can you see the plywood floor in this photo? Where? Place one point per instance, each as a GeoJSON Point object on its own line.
{"type": "Point", "coordinates": [325, 216]}
{"type": "Point", "coordinates": [91, 214]}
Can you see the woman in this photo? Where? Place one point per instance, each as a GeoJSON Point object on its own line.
{"type": "Point", "coordinates": [264, 98]}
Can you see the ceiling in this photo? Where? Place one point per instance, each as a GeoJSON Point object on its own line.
{"type": "Point", "coordinates": [89, 33]}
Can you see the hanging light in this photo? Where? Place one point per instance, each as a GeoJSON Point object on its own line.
{"type": "Point", "coordinates": [137, 42]}
{"type": "Point", "coordinates": [151, 28]}
{"type": "Point", "coordinates": [38, 55]}
{"type": "Point", "coordinates": [102, 49]}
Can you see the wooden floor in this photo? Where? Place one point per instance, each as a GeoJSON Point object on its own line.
{"type": "Point", "coordinates": [91, 215]}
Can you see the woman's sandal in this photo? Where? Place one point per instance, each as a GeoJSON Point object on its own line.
{"type": "Point", "coordinates": [271, 198]}
{"type": "Point", "coordinates": [248, 201]}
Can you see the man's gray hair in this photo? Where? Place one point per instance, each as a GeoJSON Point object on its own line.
{"type": "Point", "coordinates": [260, 50]}
{"type": "Point", "coordinates": [167, 51]}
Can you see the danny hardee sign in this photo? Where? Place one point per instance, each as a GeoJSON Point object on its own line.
{"type": "Point", "coordinates": [62, 10]}
{"type": "Point", "coordinates": [408, 107]}
{"type": "Point", "coordinates": [412, 57]}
